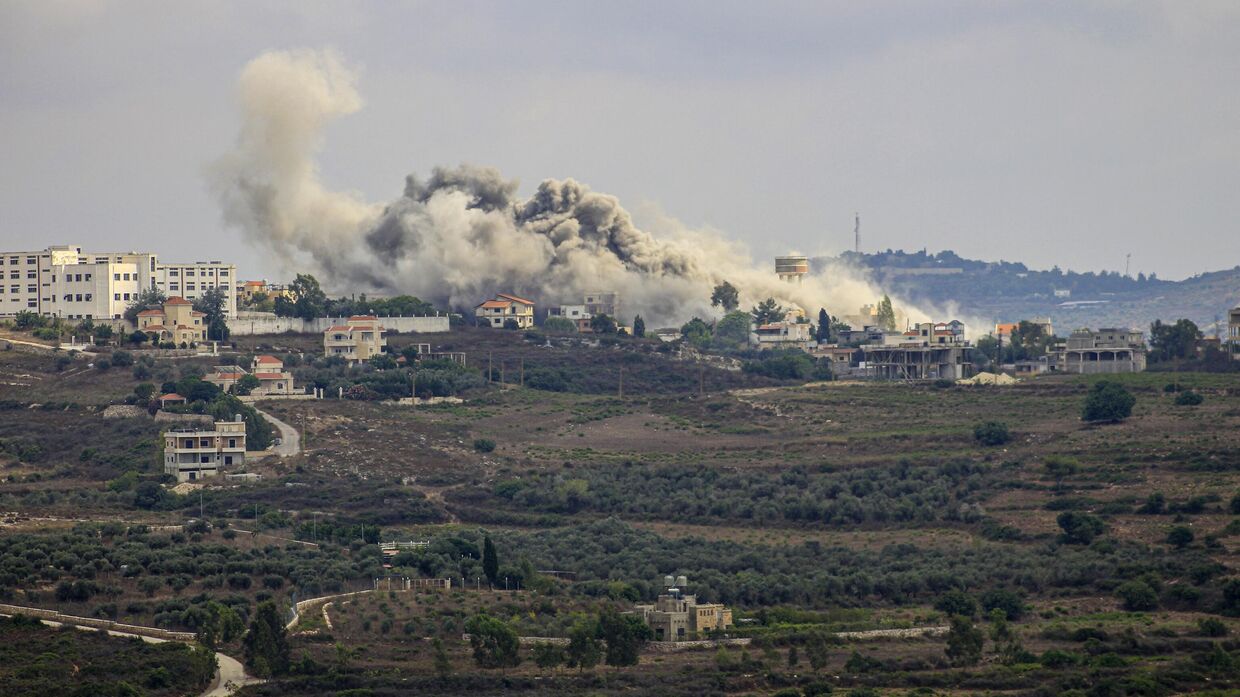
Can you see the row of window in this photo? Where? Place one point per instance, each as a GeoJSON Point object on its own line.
{"type": "Point", "coordinates": [223, 273]}
{"type": "Point", "coordinates": [17, 289]}
{"type": "Point", "coordinates": [13, 261]}
{"type": "Point", "coordinates": [71, 297]}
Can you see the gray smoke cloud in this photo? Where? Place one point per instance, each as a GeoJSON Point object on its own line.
{"type": "Point", "coordinates": [463, 234]}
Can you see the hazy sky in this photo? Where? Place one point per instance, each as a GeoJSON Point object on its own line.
{"type": "Point", "coordinates": [1066, 133]}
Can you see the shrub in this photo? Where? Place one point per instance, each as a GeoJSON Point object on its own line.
{"type": "Point", "coordinates": [991, 433]}
{"type": "Point", "coordinates": [1107, 401]}
{"type": "Point", "coordinates": [122, 359]}
{"type": "Point", "coordinates": [484, 445]}
{"type": "Point", "coordinates": [103, 364]}
{"type": "Point", "coordinates": [1180, 537]}
{"type": "Point", "coordinates": [1010, 602]}
{"type": "Point", "coordinates": [956, 602]}
{"type": "Point", "coordinates": [1211, 627]}
{"type": "Point", "coordinates": [1137, 596]}
{"type": "Point", "coordinates": [1079, 528]}
{"type": "Point", "coordinates": [1188, 398]}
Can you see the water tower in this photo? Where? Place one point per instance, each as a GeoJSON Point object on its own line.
{"type": "Point", "coordinates": [792, 267]}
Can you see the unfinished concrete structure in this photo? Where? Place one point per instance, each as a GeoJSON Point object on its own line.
{"type": "Point", "coordinates": [677, 616]}
{"type": "Point", "coordinates": [191, 454]}
{"type": "Point", "coordinates": [1108, 350]}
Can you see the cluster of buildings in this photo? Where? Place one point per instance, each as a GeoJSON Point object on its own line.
{"type": "Point", "coordinates": [66, 281]}
{"type": "Point", "coordinates": [498, 310]}
{"type": "Point", "coordinates": [268, 371]}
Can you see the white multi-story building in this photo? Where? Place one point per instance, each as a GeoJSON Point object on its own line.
{"type": "Point", "coordinates": [65, 281]}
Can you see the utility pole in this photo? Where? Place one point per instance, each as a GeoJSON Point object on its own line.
{"type": "Point", "coordinates": [523, 371]}
{"type": "Point", "coordinates": [1127, 262]}
{"type": "Point", "coordinates": [489, 379]}
{"type": "Point", "coordinates": [622, 382]}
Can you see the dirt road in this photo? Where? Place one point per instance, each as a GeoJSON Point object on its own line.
{"type": "Point", "coordinates": [290, 439]}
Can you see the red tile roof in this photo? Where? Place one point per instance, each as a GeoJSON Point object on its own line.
{"type": "Point", "coordinates": [339, 328]}
{"type": "Point", "coordinates": [151, 313]}
{"type": "Point", "coordinates": [515, 298]}
{"type": "Point", "coordinates": [170, 397]}
{"type": "Point", "coordinates": [268, 359]}
{"type": "Point", "coordinates": [177, 300]}
{"type": "Point", "coordinates": [255, 283]}
{"type": "Point", "coordinates": [495, 304]}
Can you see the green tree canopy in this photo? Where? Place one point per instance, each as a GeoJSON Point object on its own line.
{"type": "Point", "coordinates": [639, 327]}
{"type": "Point", "coordinates": [964, 642]}
{"type": "Point", "coordinates": [559, 324]}
{"type": "Point", "coordinates": [265, 645]}
{"type": "Point", "coordinates": [726, 296]}
{"type": "Point", "coordinates": [212, 304]}
{"type": "Point", "coordinates": [625, 635]}
{"type": "Point", "coordinates": [767, 311]}
{"type": "Point", "coordinates": [145, 299]}
{"type": "Point", "coordinates": [733, 328]}
{"type": "Point", "coordinates": [584, 649]}
{"type": "Point", "coordinates": [603, 324]}
{"type": "Point", "coordinates": [1173, 341]}
{"type": "Point", "coordinates": [886, 318]}
{"type": "Point", "coordinates": [1108, 401]}
{"type": "Point", "coordinates": [495, 644]}
{"type": "Point", "coordinates": [308, 300]}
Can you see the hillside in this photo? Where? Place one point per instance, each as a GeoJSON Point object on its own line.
{"type": "Point", "coordinates": [1006, 291]}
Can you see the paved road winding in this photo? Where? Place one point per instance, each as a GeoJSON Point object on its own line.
{"type": "Point", "coordinates": [290, 439]}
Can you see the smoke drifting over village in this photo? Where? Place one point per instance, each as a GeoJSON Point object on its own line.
{"type": "Point", "coordinates": [463, 233]}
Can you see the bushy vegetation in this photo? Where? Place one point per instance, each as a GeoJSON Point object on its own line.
{"type": "Point", "coordinates": [40, 660]}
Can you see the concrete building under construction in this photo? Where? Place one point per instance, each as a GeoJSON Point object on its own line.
{"type": "Point", "coordinates": [792, 268]}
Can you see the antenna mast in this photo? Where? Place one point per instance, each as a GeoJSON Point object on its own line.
{"type": "Point", "coordinates": [1127, 262]}
{"type": "Point", "coordinates": [857, 233]}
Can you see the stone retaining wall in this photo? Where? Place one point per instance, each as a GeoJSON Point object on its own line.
{"type": "Point", "coordinates": [96, 623]}
{"type": "Point", "coordinates": [250, 324]}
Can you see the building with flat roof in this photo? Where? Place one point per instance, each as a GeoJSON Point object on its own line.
{"type": "Point", "coordinates": [65, 281]}
{"type": "Point", "coordinates": [359, 340]}
{"type": "Point", "coordinates": [191, 454]}
{"type": "Point", "coordinates": [1107, 350]}
{"type": "Point", "coordinates": [1233, 332]}
{"type": "Point", "coordinates": [678, 616]}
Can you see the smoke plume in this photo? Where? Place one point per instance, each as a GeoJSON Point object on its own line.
{"type": "Point", "coordinates": [462, 234]}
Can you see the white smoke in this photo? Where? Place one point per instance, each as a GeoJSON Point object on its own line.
{"type": "Point", "coordinates": [463, 234]}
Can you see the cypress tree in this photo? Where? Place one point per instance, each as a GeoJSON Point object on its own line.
{"type": "Point", "coordinates": [490, 562]}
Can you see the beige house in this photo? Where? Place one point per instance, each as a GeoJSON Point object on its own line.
{"type": "Point", "coordinates": [1233, 332]}
{"type": "Point", "coordinates": [272, 377]}
{"type": "Point", "coordinates": [676, 616]}
{"type": "Point", "coordinates": [781, 335]}
{"type": "Point", "coordinates": [193, 454]}
{"type": "Point", "coordinates": [504, 307]}
{"type": "Point", "coordinates": [178, 322]}
{"type": "Point", "coordinates": [359, 340]}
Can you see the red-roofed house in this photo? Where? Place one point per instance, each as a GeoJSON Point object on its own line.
{"type": "Point", "coordinates": [359, 340]}
{"type": "Point", "coordinates": [176, 323]}
{"type": "Point", "coordinates": [503, 307]}
{"type": "Point", "coordinates": [272, 377]}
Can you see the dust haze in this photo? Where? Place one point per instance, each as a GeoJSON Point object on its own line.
{"type": "Point", "coordinates": [460, 234]}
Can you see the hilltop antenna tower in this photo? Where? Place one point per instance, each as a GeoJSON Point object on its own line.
{"type": "Point", "coordinates": [1127, 263]}
{"type": "Point", "coordinates": [857, 233]}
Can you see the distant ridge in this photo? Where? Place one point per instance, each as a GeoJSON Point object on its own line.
{"type": "Point", "coordinates": [1008, 291]}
